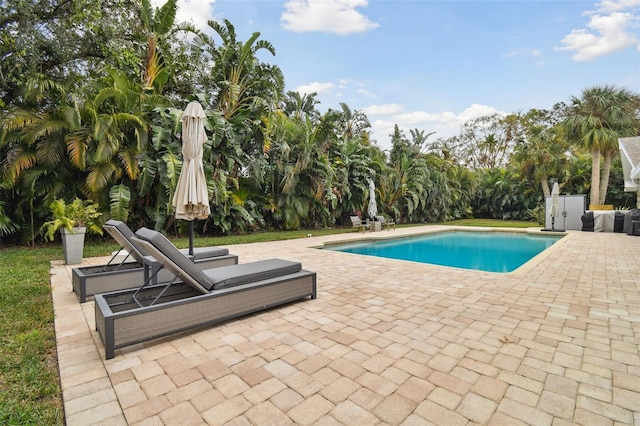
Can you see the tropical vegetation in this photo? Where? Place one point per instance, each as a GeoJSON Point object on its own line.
{"type": "Point", "coordinates": [78, 213]}
{"type": "Point", "coordinates": [91, 95]}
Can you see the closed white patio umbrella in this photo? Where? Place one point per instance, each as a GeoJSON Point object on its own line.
{"type": "Point", "coordinates": [373, 205]}
{"type": "Point", "coordinates": [555, 207]}
{"type": "Point", "coordinates": [191, 199]}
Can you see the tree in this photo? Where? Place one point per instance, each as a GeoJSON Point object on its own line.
{"type": "Point", "coordinates": [157, 26]}
{"type": "Point", "coordinates": [505, 194]}
{"type": "Point", "coordinates": [243, 81]}
{"type": "Point", "coordinates": [300, 176]}
{"type": "Point", "coordinates": [419, 138]}
{"type": "Point", "coordinates": [351, 123]}
{"type": "Point", "coordinates": [166, 57]}
{"type": "Point", "coordinates": [542, 152]}
{"type": "Point", "coordinates": [406, 178]}
{"type": "Point", "coordinates": [595, 122]}
{"type": "Point", "coordinates": [484, 143]}
{"type": "Point", "coordinates": [245, 90]}
{"type": "Point", "coordinates": [77, 146]}
{"type": "Point", "coordinates": [353, 163]}
{"type": "Point", "coordinates": [63, 41]}
{"type": "Point", "coordinates": [300, 106]}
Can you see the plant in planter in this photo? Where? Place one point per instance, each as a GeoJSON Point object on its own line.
{"type": "Point", "coordinates": [73, 220]}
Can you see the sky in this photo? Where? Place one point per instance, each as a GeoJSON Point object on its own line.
{"type": "Point", "coordinates": [432, 65]}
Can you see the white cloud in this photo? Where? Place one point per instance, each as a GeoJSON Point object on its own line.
{"type": "Point", "coordinates": [447, 118]}
{"type": "Point", "coordinates": [609, 6]}
{"type": "Point", "coordinates": [381, 130]}
{"type": "Point", "coordinates": [366, 93]}
{"type": "Point", "coordinates": [196, 12]}
{"type": "Point", "coordinates": [316, 86]}
{"type": "Point", "coordinates": [386, 109]}
{"type": "Point", "coordinates": [330, 16]}
{"type": "Point", "coordinates": [444, 124]}
{"type": "Point", "coordinates": [477, 111]}
{"type": "Point", "coordinates": [535, 53]}
{"type": "Point", "coordinates": [417, 117]}
{"type": "Point", "coordinates": [611, 28]}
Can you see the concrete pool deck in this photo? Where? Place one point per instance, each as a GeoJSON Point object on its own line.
{"type": "Point", "coordinates": [386, 342]}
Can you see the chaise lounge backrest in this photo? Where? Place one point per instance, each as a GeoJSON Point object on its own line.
{"type": "Point", "coordinates": [171, 258]}
{"type": "Point", "coordinates": [124, 236]}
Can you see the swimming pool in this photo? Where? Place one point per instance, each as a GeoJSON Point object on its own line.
{"type": "Point", "coordinates": [484, 251]}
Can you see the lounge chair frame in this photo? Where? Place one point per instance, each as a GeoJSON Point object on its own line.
{"type": "Point", "coordinates": [90, 280]}
{"type": "Point", "coordinates": [121, 322]}
{"type": "Point", "coordinates": [161, 310]}
{"type": "Point", "coordinates": [357, 223]}
{"type": "Point", "coordinates": [384, 222]}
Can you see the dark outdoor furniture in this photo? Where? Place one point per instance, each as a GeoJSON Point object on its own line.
{"type": "Point", "coordinates": [632, 215]}
{"type": "Point", "coordinates": [618, 222]}
{"type": "Point", "coordinates": [90, 280]}
{"type": "Point", "coordinates": [588, 222]}
{"type": "Point", "coordinates": [196, 297]}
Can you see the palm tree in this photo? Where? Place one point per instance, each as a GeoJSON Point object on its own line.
{"type": "Point", "coordinates": [245, 90]}
{"type": "Point", "coordinates": [156, 25]}
{"type": "Point", "coordinates": [351, 123]}
{"type": "Point", "coordinates": [243, 80]}
{"type": "Point", "coordinates": [91, 141]}
{"type": "Point", "coordinates": [353, 162]}
{"type": "Point", "coordinates": [419, 138]}
{"type": "Point", "coordinates": [301, 177]}
{"type": "Point", "coordinates": [543, 152]}
{"type": "Point", "coordinates": [595, 122]}
{"type": "Point", "coordinates": [300, 106]}
{"type": "Point", "coordinates": [408, 179]}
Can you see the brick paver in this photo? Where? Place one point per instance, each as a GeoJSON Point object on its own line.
{"type": "Point", "coordinates": [386, 342]}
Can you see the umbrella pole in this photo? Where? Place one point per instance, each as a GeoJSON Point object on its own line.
{"type": "Point", "coordinates": [553, 222]}
{"type": "Point", "coordinates": [191, 237]}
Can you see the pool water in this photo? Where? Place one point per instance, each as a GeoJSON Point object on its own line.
{"type": "Point", "coordinates": [484, 251]}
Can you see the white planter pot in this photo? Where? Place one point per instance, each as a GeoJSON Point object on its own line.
{"type": "Point", "coordinates": [73, 245]}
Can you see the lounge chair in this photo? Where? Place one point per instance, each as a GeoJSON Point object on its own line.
{"type": "Point", "coordinates": [356, 222]}
{"type": "Point", "coordinates": [384, 222]}
{"type": "Point", "coordinates": [195, 298]}
{"type": "Point", "coordinates": [89, 280]}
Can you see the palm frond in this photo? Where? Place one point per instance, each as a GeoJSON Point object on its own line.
{"type": "Point", "coordinates": [71, 116]}
{"type": "Point", "coordinates": [99, 176]}
{"type": "Point", "coordinates": [173, 166]}
{"type": "Point", "coordinates": [18, 161]}
{"type": "Point", "coordinates": [146, 14]}
{"type": "Point", "coordinates": [129, 159]}
{"type": "Point", "coordinates": [37, 87]}
{"type": "Point", "coordinates": [263, 44]}
{"type": "Point", "coordinates": [120, 197]}
{"type": "Point", "coordinates": [7, 225]}
{"type": "Point", "coordinates": [77, 150]}
{"type": "Point", "coordinates": [147, 176]}
{"type": "Point", "coordinates": [165, 17]}
{"type": "Point", "coordinates": [106, 94]}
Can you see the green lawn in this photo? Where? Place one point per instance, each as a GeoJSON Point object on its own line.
{"type": "Point", "coordinates": [29, 383]}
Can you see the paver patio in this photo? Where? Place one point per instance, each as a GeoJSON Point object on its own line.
{"type": "Point", "coordinates": [386, 342]}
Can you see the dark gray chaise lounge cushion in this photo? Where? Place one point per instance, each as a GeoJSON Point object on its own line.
{"type": "Point", "coordinates": [138, 252]}
{"type": "Point", "coordinates": [216, 278]}
{"type": "Point", "coordinates": [244, 273]}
